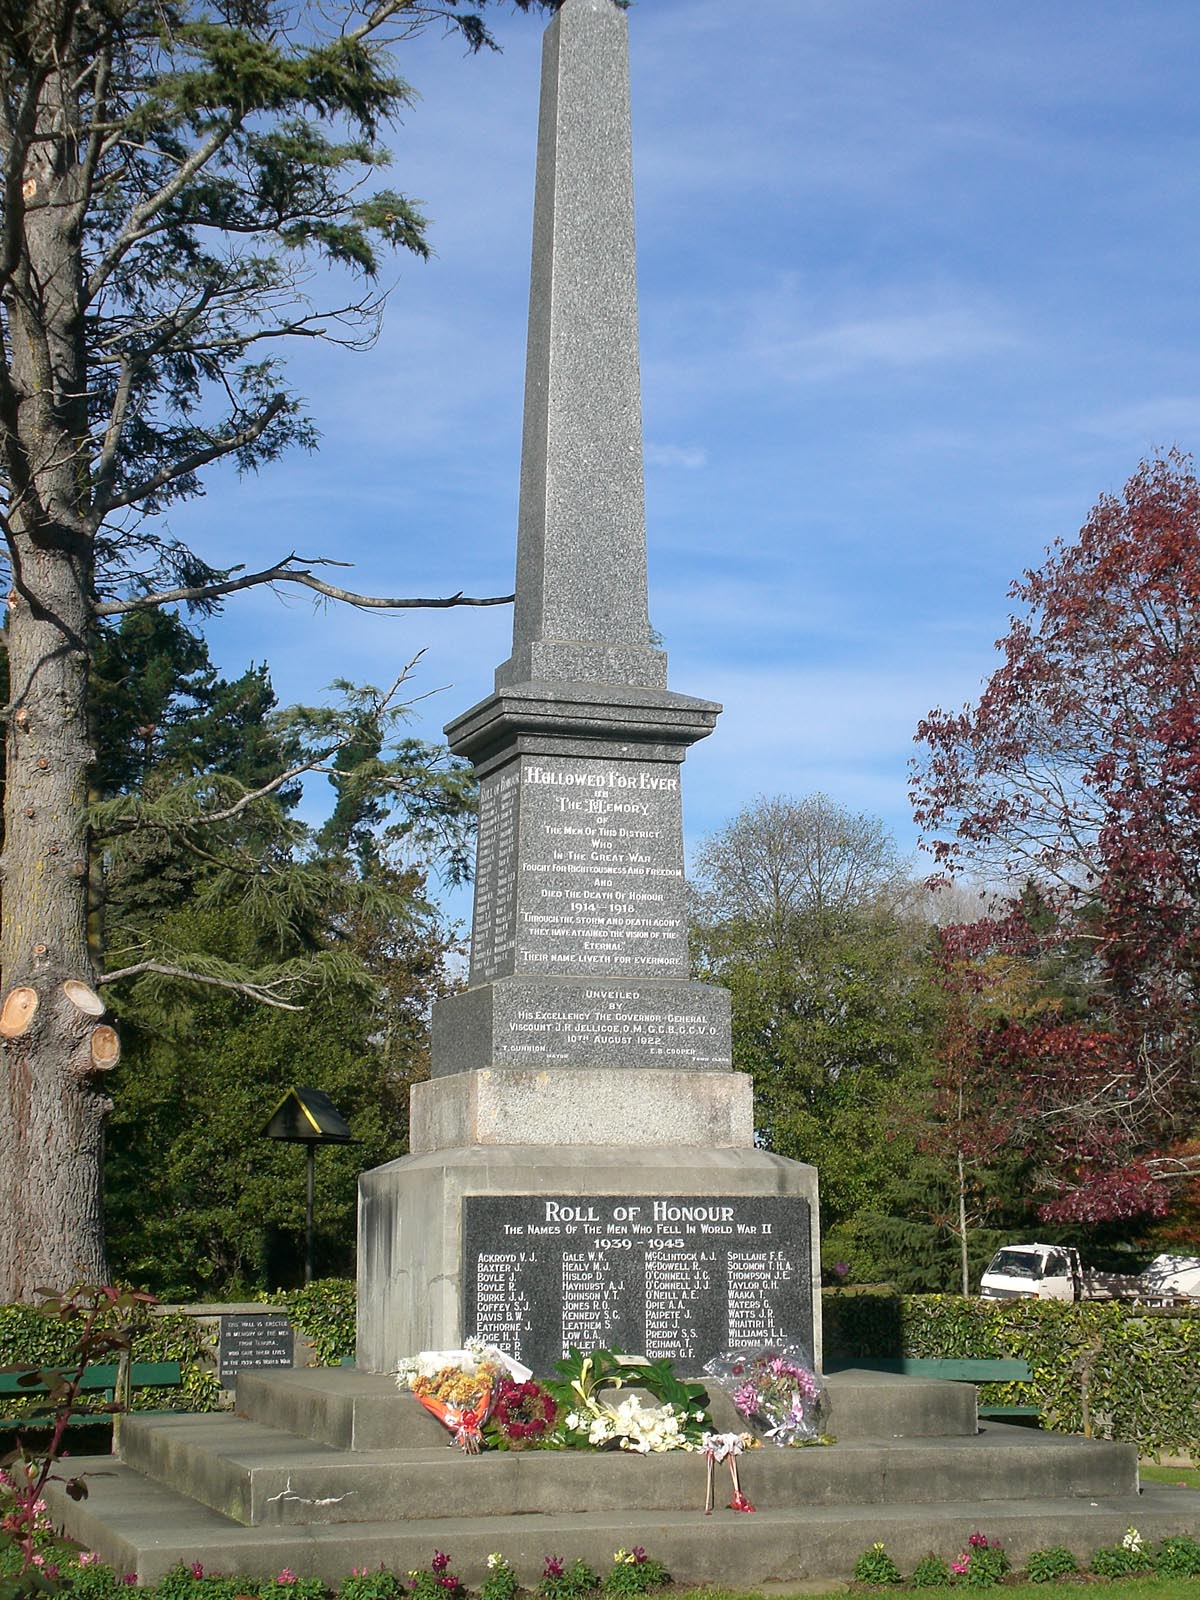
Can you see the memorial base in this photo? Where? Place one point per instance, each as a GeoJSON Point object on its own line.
{"type": "Point", "coordinates": [711, 1110]}
{"type": "Point", "coordinates": [606, 1218]}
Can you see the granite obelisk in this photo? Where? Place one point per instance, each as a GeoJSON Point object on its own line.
{"type": "Point", "coordinates": [583, 1167]}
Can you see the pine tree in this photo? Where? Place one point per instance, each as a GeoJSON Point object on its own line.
{"type": "Point", "coordinates": [196, 1202]}
{"type": "Point", "coordinates": [170, 174]}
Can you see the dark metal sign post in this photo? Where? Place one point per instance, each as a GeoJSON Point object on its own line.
{"type": "Point", "coordinates": [308, 1117]}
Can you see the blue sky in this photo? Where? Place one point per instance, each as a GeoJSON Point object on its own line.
{"type": "Point", "coordinates": [918, 282]}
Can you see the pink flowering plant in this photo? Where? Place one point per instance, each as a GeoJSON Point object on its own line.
{"type": "Point", "coordinates": [777, 1393]}
{"type": "Point", "coordinates": [981, 1564]}
{"type": "Point", "coordinates": [561, 1580]}
{"type": "Point", "coordinates": [367, 1584]}
{"type": "Point", "coordinates": [436, 1581]}
{"type": "Point", "coordinates": [284, 1586]}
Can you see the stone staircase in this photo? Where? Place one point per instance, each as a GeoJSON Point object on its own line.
{"type": "Point", "coordinates": [328, 1469]}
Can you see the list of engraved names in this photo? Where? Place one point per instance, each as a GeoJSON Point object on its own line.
{"type": "Point", "coordinates": [656, 1276]}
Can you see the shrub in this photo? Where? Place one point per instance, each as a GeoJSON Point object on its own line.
{"type": "Point", "coordinates": [29, 1338]}
{"type": "Point", "coordinates": [91, 1579]}
{"type": "Point", "coordinates": [1143, 1365]}
{"type": "Point", "coordinates": [1110, 1561]}
{"type": "Point", "coordinates": [876, 1566]}
{"type": "Point", "coordinates": [216, 1588]}
{"type": "Point", "coordinates": [634, 1572]}
{"type": "Point", "coordinates": [1123, 1560]}
{"type": "Point", "coordinates": [324, 1312]}
{"type": "Point", "coordinates": [982, 1564]}
{"type": "Point", "coordinates": [1044, 1566]}
{"type": "Point", "coordinates": [365, 1585]}
{"type": "Point", "coordinates": [287, 1586]}
{"type": "Point", "coordinates": [436, 1581]}
{"type": "Point", "coordinates": [559, 1582]}
{"type": "Point", "coordinates": [500, 1583]}
{"type": "Point", "coordinates": [179, 1581]}
{"type": "Point", "coordinates": [931, 1572]}
{"type": "Point", "coordinates": [1178, 1557]}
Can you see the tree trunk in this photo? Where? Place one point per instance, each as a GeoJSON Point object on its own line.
{"type": "Point", "coordinates": [962, 1226]}
{"type": "Point", "coordinates": [52, 1107]}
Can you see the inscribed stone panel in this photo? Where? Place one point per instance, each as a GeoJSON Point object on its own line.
{"type": "Point", "coordinates": [661, 1276]}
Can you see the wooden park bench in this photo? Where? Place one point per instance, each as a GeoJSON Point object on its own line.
{"type": "Point", "coordinates": [108, 1381]}
{"type": "Point", "coordinates": [990, 1369]}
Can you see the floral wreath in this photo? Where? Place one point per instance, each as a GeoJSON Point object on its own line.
{"type": "Point", "coordinates": [522, 1414]}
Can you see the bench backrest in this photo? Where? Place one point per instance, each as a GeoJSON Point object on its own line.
{"type": "Point", "coordinates": [142, 1375]}
{"type": "Point", "coordinates": [992, 1369]}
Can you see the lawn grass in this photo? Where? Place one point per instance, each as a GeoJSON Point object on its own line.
{"type": "Point", "coordinates": [1181, 1477]}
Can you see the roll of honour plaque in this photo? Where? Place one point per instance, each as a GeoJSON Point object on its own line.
{"type": "Point", "coordinates": [657, 1276]}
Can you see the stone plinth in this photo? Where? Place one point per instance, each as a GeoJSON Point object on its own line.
{"type": "Point", "coordinates": [683, 1109]}
{"type": "Point", "coordinates": [425, 1277]}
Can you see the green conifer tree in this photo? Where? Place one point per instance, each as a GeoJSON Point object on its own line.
{"type": "Point", "coordinates": [170, 173]}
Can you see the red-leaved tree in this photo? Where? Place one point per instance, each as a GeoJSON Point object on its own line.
{"type": "Point", "coordinates": [1079, 766]}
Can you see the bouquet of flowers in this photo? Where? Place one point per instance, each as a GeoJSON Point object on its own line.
{"type": "Point", "coordinates": [632, 1426]}
{"type": "Point", "coordinates": [774, 1390]}
{"type": "Point", "coordinates": [457, 1386]}
{"type": "Point", "coordinates": [674, 1422]}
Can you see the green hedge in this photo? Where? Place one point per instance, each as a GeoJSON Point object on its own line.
{"type": "Point", "coordinates": [325, 1312]}
{"type": "Point", "coordinates": [29, 1338]}
{"type": "Point", "coordinates": [1137, 1371]}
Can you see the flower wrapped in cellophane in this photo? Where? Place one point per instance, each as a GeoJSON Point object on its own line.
{"type": "Point", "coordinates": [457, 1386]}
{"type": "Point", "coordinates": [779, 1395]}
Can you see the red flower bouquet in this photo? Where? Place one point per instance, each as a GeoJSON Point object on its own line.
{"type": "Point", "coordinates": [522, 1415]}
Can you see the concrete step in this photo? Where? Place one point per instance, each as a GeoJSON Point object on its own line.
{"type": "Point", "coordinates": [145, 1528]}
{"type": "Point", "coordinates": [337, 1406]}
{"type": "Point", "coordinates": [260, 1477]}
{"type": "Point", "coordinates": [354, 1410]}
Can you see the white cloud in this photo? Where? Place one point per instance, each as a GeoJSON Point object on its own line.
{"type": "Point", "coordinates": [690, 457]}
{"type": "Point", "coordinates": [1153, 423]}
{"type": "Point", "coordinates": [931, 336]}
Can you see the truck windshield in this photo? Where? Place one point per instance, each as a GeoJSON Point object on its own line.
{"type": "Point", "coordinates": [1017, 1263]}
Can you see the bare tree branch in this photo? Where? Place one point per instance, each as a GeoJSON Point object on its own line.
{"type": "Point", "coordinates": [284, 572]}
{"type": "Point", "coordinates": [252, 991]}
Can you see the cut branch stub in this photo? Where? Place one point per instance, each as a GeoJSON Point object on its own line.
{"type": "Point", "coordinates": [84, 998]}
{"type": "Point", "coordinates": [105, 1048]}
{"type": "Point", "coordinates": [17, 1012]}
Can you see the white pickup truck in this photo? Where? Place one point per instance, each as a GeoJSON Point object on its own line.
{"type": "Point", "coordinates": [1055, 1272]}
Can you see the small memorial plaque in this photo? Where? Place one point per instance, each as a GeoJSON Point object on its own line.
{"type": "Point", "coordinates": [254, 1341]}
{"type": "Point", "coordinates": [656, 1276]}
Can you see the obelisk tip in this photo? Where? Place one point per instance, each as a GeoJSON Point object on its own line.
{"type": "Point", "coordinates": [591, 5]}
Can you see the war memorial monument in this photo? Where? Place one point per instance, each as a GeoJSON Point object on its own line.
{"type": "Point", "coordinates": [583, 1168]}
